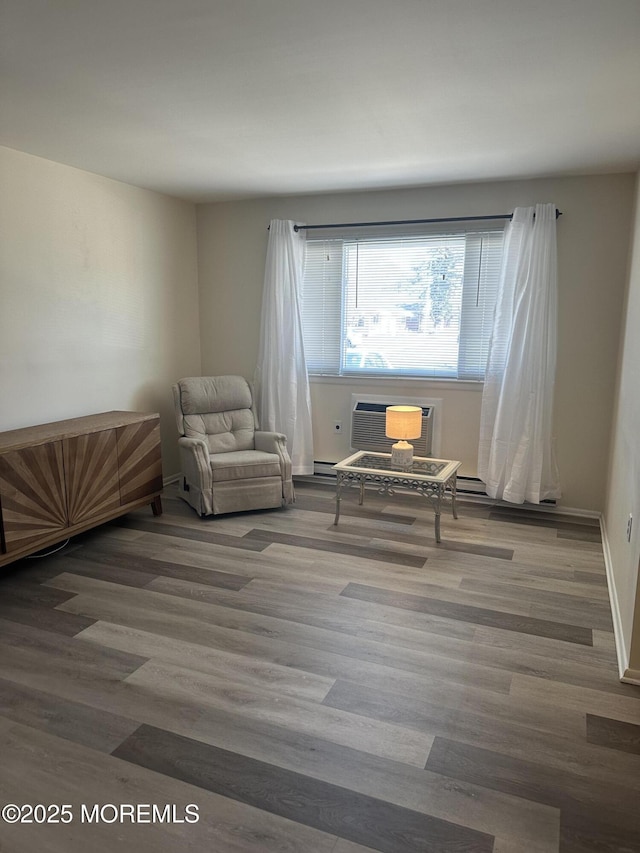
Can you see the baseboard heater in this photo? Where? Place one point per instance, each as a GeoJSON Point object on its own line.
{"type": "Point", "coordinates": [475, 486]}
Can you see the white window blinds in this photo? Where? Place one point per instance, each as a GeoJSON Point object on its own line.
{"type": "Point", "coordinates": [415, 305]}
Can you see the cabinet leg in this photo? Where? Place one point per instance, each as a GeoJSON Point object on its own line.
{"type": "Point", "coordinates": [156, 505]}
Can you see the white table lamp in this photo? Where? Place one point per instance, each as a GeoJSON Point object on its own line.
{"type": "Point", "coordinates": [403, 422]}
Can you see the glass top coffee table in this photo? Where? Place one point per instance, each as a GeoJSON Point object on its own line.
{"type": "Point", "coordinates": [434, 479]}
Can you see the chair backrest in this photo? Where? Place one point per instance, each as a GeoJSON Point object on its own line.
{"type": "Point", "coordinates": [216, 409]}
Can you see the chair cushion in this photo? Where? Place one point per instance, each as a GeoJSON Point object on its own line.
{"type": "Point", "coordinates": [244, 465]}
{"type": "Point", "coordinates": [222, 431]}
{"type": "Point", "coordinates": [201, 394]}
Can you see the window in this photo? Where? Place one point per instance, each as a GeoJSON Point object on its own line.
{"type": "Point", "coordinates": [417, 305]}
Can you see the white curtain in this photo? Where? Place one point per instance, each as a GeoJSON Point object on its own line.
{"type": "Point", "coordinates": [516, 457]}
{"type": "Point", "coordinates": [281, 379]}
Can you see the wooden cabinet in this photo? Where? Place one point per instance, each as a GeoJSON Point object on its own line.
{"type": "Point", "coordinates": [59, 479]}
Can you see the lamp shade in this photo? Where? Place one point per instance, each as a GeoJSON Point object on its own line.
{"type": "Point", "coordinates": [403, 422]}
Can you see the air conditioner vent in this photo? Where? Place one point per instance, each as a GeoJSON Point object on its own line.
{"type": "Point", "coordinates": [368, 428]}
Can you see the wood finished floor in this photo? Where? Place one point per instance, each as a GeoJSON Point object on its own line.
{"type": "Point", "coordinates": [315, 688]}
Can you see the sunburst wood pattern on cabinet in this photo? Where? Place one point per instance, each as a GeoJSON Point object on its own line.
{"type": "Point", "coordinates": [92, 476]}
{"type": "Point", "coordinates": [322, 690]}
{"type": "Point", "coordinates": [32, 489]}
{"type": "Point", "coordinates": [59, 479]}
{"type": "Point", "coordinates": [139, 461]}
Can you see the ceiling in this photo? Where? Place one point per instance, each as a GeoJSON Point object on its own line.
{"type": "Point", "coordinates": [221, 99]}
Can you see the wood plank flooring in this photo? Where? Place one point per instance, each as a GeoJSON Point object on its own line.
{"type": "Point", "coordinates": [320, 689]}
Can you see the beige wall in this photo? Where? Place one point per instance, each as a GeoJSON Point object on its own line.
{"type": "Point", "coordinates": [623, 498]}
{"type": "Point", "coordinates": [593, 238]}
{"type": "Point", "coordinates": [98, 296]}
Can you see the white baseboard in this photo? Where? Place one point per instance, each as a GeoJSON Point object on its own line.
{"type": "Point", "coordinates": [631, 676]}
{"type": "Point", "coordinates": [628, 675]}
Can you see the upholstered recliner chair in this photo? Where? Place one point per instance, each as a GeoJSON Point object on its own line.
{"type": "Point", "coordinates": [228, 465]}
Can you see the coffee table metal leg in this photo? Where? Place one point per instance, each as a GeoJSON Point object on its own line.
{"type": "Point", "coordinates": [454, 488]}
{"type": "Point", "coordinates": [437, 507]}
{"type": "Point", "coordinates": [338, 496]}
{"type": "Point", "coordinates": [361, 501]}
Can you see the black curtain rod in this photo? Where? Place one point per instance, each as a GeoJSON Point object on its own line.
{"type": "Point", "coordinates": [409, 221]}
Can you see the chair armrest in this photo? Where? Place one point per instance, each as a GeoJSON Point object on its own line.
{"type": "Point", "coordinates": [269, 441]}
{"type": "Point", "coordinates": [275, 442]}
{"type": "Point", "coordinates": [194, 458]}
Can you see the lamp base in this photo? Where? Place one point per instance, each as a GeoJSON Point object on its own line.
{"type": "Point", "coordinates": [402, 455]}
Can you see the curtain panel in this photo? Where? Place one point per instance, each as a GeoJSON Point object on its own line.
{"type": "Point", "coordinates": [516, 456]}
{"type": "Point", "coordinates": [281, 380]}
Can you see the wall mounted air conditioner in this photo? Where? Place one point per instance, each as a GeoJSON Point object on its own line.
{"type": "Point", "coordinates": [368, 419]}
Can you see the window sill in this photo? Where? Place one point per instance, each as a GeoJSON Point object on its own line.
{"type": "Point", "coordinates": [442, 384]}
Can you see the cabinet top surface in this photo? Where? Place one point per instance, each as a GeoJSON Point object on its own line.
{"type": "Point", "coordinates": [15, 439]}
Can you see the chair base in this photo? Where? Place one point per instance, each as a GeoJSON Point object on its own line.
{"type": "Point", "coordinates": [234, 496]}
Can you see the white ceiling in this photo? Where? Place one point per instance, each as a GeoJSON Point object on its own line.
{"type": "Point", "coordinates": [219, 99]}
